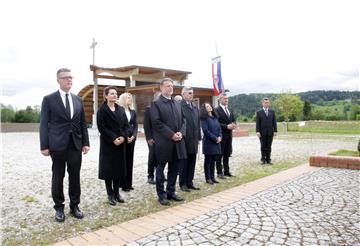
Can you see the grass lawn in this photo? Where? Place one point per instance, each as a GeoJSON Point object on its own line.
{"type": "Point", "coordinates": [344, 152]}
{"type": "Point", "coordinates": [333, 127]}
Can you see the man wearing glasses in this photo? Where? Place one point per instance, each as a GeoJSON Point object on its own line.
{"type": "Point", "coordinates": [63, 136]}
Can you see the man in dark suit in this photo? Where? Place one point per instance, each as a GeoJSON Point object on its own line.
{"type": "Point", "coordinates": [63, 136]}
{"type": "Point", "coordinates": [169, 130]}
{"type": "Point", "coordinates": [266, 129]}
{"type": "Point", "coordinates": [228, 124]}
{"type": "Point", "coordinates": [193, 136]}
{"type": "Point", "coordinates": [150, 141]}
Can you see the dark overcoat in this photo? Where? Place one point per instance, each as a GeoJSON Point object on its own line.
{"type": "Point", "coordinates": [111, 125]}
{"type": "Point", "coordinates": [212, 130]}
{"type": "Point", "coordinates": [191, 113]}
{"type": "Point", "coordinates": [167, 119]}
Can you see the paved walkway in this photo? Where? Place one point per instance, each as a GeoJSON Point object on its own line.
{"type": "Point", "coordinates": [300, 206]}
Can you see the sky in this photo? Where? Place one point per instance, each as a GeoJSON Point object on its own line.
{"type": "Point", "coordinates": [265, 46]}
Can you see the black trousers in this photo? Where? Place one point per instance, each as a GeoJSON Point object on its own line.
{"type": "Point", "coordinates": [222, 161]}
{"type": "Point", "coordinates": [151, 161]}
{"type": "Point", "coordinates": [209, 166]}
{"type": "Point", "coordinates": [187, 170]}
{"type": "Point", "coordinates": [265, 148]}
{"type": "Point", "coordinates": [129, 152]}
{"type": "Point", "coordinates": [70, 158]}
{"type": "Point", "coordinates": [173, 170]}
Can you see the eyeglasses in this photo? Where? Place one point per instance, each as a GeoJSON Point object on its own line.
{"type": "Point", "coordinates": [66, 78]}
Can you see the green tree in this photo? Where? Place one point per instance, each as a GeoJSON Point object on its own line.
{"type": "Point", "coordinates": [29, 115]}
{"type": "Point", "coordinates": [7, 113]}
{"type": "Point", "coordinates": [307, 110]}
{"type": "Point", "coordinates": [289, 106]}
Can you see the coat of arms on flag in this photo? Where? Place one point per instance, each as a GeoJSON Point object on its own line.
{"type": "Point", "coordinates": [216, 76]}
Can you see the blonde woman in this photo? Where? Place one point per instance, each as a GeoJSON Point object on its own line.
{"type": "Point", "coordinates": [125, 100]}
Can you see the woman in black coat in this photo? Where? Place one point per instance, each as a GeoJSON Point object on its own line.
{"type": "Point", "coordinates": [211, 140]}
{"type": "Point", "coordinates": [125, 100]}
{"type": "Point", "coordinates": [112, 125]}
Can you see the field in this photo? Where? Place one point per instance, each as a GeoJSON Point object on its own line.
{"type": "Point", "coordinates": [333, 127]}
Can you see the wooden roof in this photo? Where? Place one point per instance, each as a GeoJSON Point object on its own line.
{"type": "Point", "coordinates": [139, 73]}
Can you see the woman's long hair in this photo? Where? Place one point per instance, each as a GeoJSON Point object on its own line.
{"type": "Point", "coordinates": [122, 101]}
{"type": "Point", "coordinates": [204, 114]}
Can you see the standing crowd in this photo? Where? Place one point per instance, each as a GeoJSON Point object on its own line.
{"type": "Point", "coordinates": [173, 129]}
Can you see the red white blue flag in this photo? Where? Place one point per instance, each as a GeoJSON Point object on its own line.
{"type": "Point", "coordinates": [216, 76]}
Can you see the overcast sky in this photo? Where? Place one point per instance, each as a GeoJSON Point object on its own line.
{"type": "Point", "coordinates": [266, 46]}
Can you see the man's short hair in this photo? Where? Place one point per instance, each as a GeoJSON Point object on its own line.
{"type": "Point", "coordinates": [62, 70]}
{"type": "Point", "coordinates": [265, 99]}
{"type": "Point", "coordinates": [162, 81]}
{"type": "Point", "coordinates": [186, 89]}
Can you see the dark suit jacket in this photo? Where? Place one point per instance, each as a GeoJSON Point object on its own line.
{"type": "Point", "coordinates": [147, 124]}
{"type": "Point", "coordinates": [111, 125]}
{"type": "Point", "coordinates": [166, 120]}
{"type": "Point", "coordinates": [266, 125]}
{"type": "Point", "coordinates": [133, 125]}
{"type": "Point", "coordinates": [56, 126]}
{"type": "Point", "coordinates": [193, 134]}
{"type": "Point", "coordinates": [211, 129]}
{"type": "Point", "coordinates": [224, 120]}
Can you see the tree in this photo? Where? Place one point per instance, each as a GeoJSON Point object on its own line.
{"type": "Point", "coordinates": [7, 113]}
{"type": "Point", "coordinates": [307, 110]}
{"type": "Point", "coordinates": [290, 106]}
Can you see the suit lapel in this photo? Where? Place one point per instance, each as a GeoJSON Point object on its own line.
{"type": "Point", "coordinates": [60, 102]}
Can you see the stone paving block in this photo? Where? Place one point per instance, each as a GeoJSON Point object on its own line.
{"type": "Point", "coordinates": [63, 243]}
{"type": "Point", "coordinates": [124, 234]}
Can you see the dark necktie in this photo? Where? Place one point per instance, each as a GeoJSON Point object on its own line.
{"type": "Point", "coordinates": [227, 112]}
{"type": "Point", "coordinates": [67, 102]}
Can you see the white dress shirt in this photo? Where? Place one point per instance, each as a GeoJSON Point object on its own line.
{"type": "Point", "coordinates": [63, 98]}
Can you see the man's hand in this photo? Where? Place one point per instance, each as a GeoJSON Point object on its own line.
{"type": "Point", "coordinates": [177, 137]}
{"type": "Point", "coordinates": [119, 141]}
{"type": "Point", "coordinates": [275, 134]}
{"type": "Point", "coordinates": [85, 149]}
{"type": "Point", "coordinates": [130, 139]}
{"type": "Point", "coordinates": [45, 152]}
{"type": "Point", "coordinates": [231, 126]}
{"type": "Point", "coordinates": [258, 134]}
{"type": "Point", "coordinates": [218, 140]}
{"type": "Point", "coordinates": [151, 141]}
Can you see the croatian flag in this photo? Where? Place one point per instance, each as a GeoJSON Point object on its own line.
{"type": "Point", "coordinates": [216, 76]}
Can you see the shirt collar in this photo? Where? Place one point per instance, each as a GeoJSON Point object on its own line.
{"type": "Point", "coordinates": [63, 93]}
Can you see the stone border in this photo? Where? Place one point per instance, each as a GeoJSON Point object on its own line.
{"type": "Point", "coordinates": [335, 161]}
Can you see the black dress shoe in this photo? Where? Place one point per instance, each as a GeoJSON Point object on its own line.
{"type": "Point", "coordinates": [221, 176]}
{"type": "Point", "coordinates": [263, 162]}
{"type": "Point", "coordinates": [184, 188]}
{"type": "Point", "coordinates": [126, 189]}
{"type": "Point", "coordinates": [164, 201]}
{"type": "Point", "coordinates": [151, 181]}
{"type": "Point", "coordinates": [118, 198]}
{"type": "Point", "coordinates": [215, 181]}
{"type": "Point", "coordinates": [209, 181]}
{"type": "Point", "coordinates": [131, 188]}
{"type": "Point", "coordinates": [111, 199]}
{"type": "Point", "coordinates": [228, 174]}
{"type": "Point", "coordinates": [59, 216]}
{"type": "Point", "coordinates": [76, 212]}
{"type": "Point", "coordinates": [175, 198]}
{"type": "Point", "coordinates": [192, 187]}
{"type": "Point", "coordinates": [269, 162]}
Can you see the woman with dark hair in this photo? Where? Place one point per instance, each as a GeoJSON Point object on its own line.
{"type": "Point", "coordinates": [211, 140]}
{"type": "Point", "coordinates": [112, 125]}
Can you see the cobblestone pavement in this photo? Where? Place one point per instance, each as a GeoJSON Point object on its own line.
{"type": "Point", "coordinates": [319, 208]}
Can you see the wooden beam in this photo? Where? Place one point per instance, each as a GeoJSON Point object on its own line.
{"type": "Point", "coordinates": [123, 75]}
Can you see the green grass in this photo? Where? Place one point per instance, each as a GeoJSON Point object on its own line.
{"type": "Point", "coordinates": [333, 127]}
{"type": "Point", "coordinates": [344, 152]}
{"type": "Point", "coordinates": [29, 199]}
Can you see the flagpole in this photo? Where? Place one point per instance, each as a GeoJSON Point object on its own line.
{"type": "Point", "coordinates": [216, 49]}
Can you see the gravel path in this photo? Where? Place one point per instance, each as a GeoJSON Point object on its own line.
{"type": "Point", "coordinates": [27, 212]}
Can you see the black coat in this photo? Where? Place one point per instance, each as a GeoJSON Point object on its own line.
{"type": "Point", "coordinates": [192, 127]}
{"type": "Point", "coordinates": [111, 125]}
{"type": "Point", "coordinates": [147, 124]}
{"type": "Point", "coordinates": [167, 119]}
{"type": "Point", "coordinates": [212, 130]}
{"type": "Point", "coordinates": [266, 125]}
{"type": "Point", "coordinates": [133, 125]}
{"type": "Point", "coordinates": [55, 124]}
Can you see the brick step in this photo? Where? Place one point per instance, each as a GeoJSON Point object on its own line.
{"type": "Point", "coordinates": [335, 161]}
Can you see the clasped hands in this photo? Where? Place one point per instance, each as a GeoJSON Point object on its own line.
{"type": "Point", "coordinates": [177, 136]}
{"type": "Point", "coordinates": [119, 141]}
{"type": "Point", "coordinates": [231, 126]}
